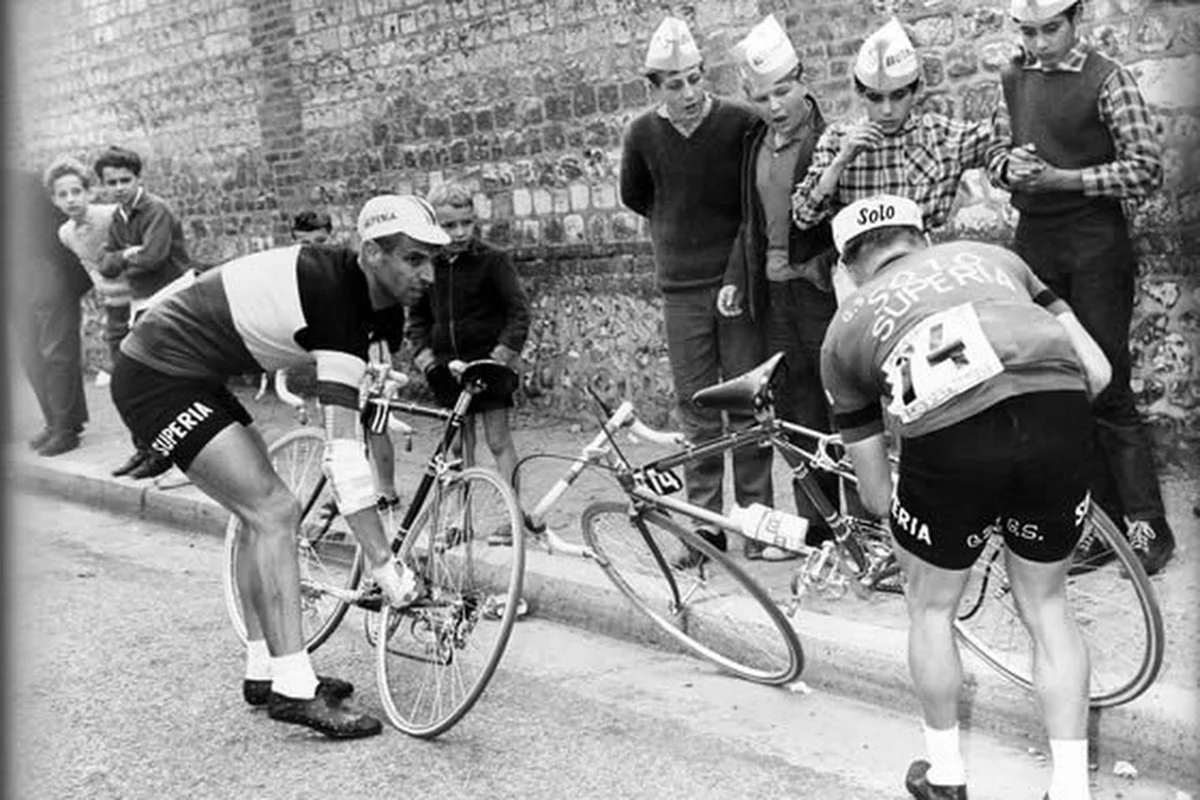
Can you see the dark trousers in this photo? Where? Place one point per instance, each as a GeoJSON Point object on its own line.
{"type": "Point", "coordinates": [1088, 260]}
{"type": "Point", "coordinates": [705, 348]}
{"type": "Point", "coordinates": [116, 326]}
{"type": "Point", "coordinates": [798, 314]}
{"type": "Point", "coordinates": [52, 357]}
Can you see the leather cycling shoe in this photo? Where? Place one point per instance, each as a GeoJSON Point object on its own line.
{"type": "Point", "coordinates": [152, 467]}
{"type": "Point", "coordinates": [919, 787]}
{"type": "Point", "coordinates": [323, 714]}
{"type": "Point", "coordinates": [132, 463]}
{"type": "Point", "coordinates": [257, 693]}
{"type": "Point", "coordinates": [59, 443]}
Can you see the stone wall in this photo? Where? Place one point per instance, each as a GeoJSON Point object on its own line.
{"type": "Point", "coordinates": [249, 110]}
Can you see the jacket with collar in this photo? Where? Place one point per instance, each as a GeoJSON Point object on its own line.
{"type": "Point", "coordinates": [746, 268]}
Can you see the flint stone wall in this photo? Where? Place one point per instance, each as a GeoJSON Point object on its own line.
{"type": "Point", "coordinates": [250, 110]}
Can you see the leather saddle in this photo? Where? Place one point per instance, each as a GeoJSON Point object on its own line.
{"type": "Point", "coordinates": [489, 375]}
{"type": "Point", "coordinates": [750, 391]}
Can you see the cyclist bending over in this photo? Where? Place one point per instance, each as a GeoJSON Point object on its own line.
{"type": "Point", "coordinates": [272, 310]}
{"type": "Point", "coordinates": [986, 376]}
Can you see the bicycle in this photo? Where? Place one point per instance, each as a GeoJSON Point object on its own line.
{"type": "Point", "coordinates": [435, 657]}
{"type": "Point", "coordinates": [632, 541]}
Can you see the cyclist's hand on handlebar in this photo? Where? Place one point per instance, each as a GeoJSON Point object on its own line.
{"type": "Point", "coordinates": [504, 354]}
{"type": "Point", "coordinates": [729, 301]}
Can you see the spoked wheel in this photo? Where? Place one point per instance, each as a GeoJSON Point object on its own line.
{"type": "Point", "coordinates": [715, 611]}
{"type": "Point", "coordinates": [327, 551]}
{"type": "Point", "coordinates": [435, 658]}
{"type": "Point", "coordinates": [1113, 602]}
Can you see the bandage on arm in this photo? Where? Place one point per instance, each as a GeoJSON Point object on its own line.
{"type": "Point", "coordinates": [345, 462]}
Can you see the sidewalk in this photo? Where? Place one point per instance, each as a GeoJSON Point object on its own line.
{"type": "Point", "coordinates": [852, 647]}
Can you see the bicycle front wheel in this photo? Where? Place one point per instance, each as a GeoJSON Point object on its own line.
{"type": "Point", "coordinates": [715, 611]}
{"type": "Point", "coordinates": [1114, 606]}
{"type": "Point", "coordinates": [328, 553]}
{"type": "Point", "coordinates": [435, 657]}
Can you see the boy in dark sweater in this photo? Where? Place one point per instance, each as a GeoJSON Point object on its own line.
{"type": "Point", "coordinates": [1082, 142]}
{"type": "Point", "coordinates": [475, 308]}
{"type": "Point", "coordinates": [681, 169]}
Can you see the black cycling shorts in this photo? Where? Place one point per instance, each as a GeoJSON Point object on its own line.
{"type": "Point", "coordinates": [176, 416]}
{"type": "Point", "coordinates": [446, 390]}
{"type": "Point", "coordinates": [1018, 469]}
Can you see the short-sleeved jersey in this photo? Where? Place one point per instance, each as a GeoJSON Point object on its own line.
{"type": "Point", "coordinates": [270, 310]}
{"type": "Point", "coordinates": [939, 336]}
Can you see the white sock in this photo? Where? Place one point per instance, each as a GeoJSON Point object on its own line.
{"type": "Point", "coordinates": [395, 579]}
{"type": "Point", "coordinates": [946, 767]}
{"type": "Point", "coordinates": [258, 660]}
{"type": "Point", "coordinates": [292, 676]}
{"type": "Point", "coordinates": [1069, 780]}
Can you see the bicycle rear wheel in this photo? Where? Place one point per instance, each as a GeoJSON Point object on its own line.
{"type": "Point", "coordinates": [435, 658]}
{"type": "Point", "coordinates": [716, 611]}
{"type": "Point", "coordinates": [1114, 605]}
{"type": "Point", "coordinates": [327, 551]}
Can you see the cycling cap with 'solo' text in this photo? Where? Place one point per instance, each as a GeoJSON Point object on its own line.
{"type": "Point", "coordinates": [874, 212]}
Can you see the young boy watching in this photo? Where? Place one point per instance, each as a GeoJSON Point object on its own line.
{"type": "Point", "coordinates": [475, 308]}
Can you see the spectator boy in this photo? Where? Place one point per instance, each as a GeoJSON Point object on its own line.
{"type": "Point", "coordinates": [146, 248]}
{"type": "Point", "coordinates": [475, 308]}
{"type": "Point", "coordinates": [49, 284]}
{"type": "Point", "coordinates": [86, 233]}
{"type": "Point", "coordinates": [681, 169]}
{"type": "Point", "coordinates": [1082, 142]}
{"type": "Point", "coordinates": [893, 150]}
{"type": "Point", "coordinates": [312, 227]}
{"type": "Point", "coordinates": [777, 272]}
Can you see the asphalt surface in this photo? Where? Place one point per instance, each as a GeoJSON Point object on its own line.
{"type": "Point", "coordinates": [126, 677]}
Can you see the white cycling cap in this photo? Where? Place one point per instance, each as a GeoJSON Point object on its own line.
{"type": "Point", "coordinates": [765, 55]}
{"type": "Point", "coordinates": [400, 213]}
{"type": "Point", "coordinates": [1038, 10]}
{"type": "Point", "coordinates": [887, 60]}
{"type": "Point", "coordinates": [871, 213]}
{"type": "Point", "coordinates": [672, 48]}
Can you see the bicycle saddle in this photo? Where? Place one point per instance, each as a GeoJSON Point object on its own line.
{"type": "Point", "coordinates": [749, 391]}
{"type": "Point", "coordinates": [490, 375]}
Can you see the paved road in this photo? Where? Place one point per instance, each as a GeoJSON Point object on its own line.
{"type": "Point", "coordinates": [127, 687]}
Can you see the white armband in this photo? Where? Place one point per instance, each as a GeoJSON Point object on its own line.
{"type": "Point", "coordinates": [350, 475]}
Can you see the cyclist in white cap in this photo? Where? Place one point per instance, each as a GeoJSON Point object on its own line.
{"type": "Point", "coordinates": [281, 308]}
{"type": "Point", "coordinates": [681, 170]}
{"type": "Point", "coordinates": [1083, 142]}
{"type": "Point", "coordinates": [986, 377]}
{"type": "Point", "coordinates": [894, 150]}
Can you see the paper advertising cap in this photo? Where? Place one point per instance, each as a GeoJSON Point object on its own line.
{"type": "Point", "coordinates": [887, 60]}
{"type": "Point", "coordinates": [871, 213]}
{"type": "Point", "coordinates": [672, 48]}
{"type": "Point", "coordinates": [1039, 10]}
{"type": "Point", "coordinates": [400, 213]}
{"type": "Point", "coordinates": [765, 55]}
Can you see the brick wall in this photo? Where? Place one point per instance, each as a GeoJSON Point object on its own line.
{"type": "Point", "coordinates": [249, 110]}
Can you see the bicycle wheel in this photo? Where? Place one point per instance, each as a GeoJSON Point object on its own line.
{"type": "Point", "coordinates": [1114, 605]}
{"type": "Point", "coordinates": [435, 658]}
{"type": "Point", "coordinates": [327, 551]}
{"type": "Point", "coordinates": [721, 614]}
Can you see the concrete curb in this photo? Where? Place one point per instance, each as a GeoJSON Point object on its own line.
{"type": "Point", "coordinates": [1158, 732]}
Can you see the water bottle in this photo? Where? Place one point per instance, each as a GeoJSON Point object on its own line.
{"type": "Point", "coordinates": [771, 526]}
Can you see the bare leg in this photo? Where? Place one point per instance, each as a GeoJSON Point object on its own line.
{"type": "Point", "coordinates": [500, 441]}
{"type": "Point", "coordinates": [933, 659]}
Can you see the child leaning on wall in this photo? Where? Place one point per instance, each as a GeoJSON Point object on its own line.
{"type": "Point", "coordinates": [475, 308]}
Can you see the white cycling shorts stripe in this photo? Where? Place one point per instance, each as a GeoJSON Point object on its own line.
{"type": "Point", "coordinates": [334, 366]}
{"type": "Point", "coordinates": [267, 321]}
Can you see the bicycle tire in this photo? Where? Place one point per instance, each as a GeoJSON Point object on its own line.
{"type": "Point", "coordinates": [717, 620]}
{"type": "Point", "coordinates": [435, 658]}
{"type": "Point", "coordinates": [325, 547]}
{"type": "Point", "coordinates": [1125, 648]}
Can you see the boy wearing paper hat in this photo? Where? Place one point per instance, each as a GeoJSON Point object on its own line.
{"type": "Point", "coordinates": [1082, 142]}
{"type": "Point", "coordinates": [778, 273]}
{"type": "Point", "coordinates": [893, 150]}
{"type": "Point", "coordinates": [680, 169]}
{"type": "Point", "coordinates": [967, 352]}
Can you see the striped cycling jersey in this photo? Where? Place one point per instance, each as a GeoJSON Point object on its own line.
{"type": "Point", "coordinates": [276, 309]}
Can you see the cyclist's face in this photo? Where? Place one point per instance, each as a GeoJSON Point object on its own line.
{"type": "Point", "coordinates": [406, 271]}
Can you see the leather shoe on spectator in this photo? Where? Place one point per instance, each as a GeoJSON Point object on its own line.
{"type": "Point", "coordinates": [59, 442]}
{"type": "Point", "coordinates": [36, 442]}
{"type": "Point", "coordinates": [132, 463]}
